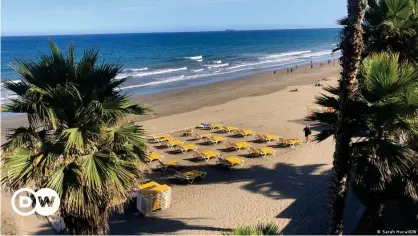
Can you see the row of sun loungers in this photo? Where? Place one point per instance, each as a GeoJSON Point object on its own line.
{"type": "Point", "coordinates": [207, 155]}
{"type": "Point", "coordinates": [230, 162]}
{"type": "Point", "coordinates": [191, 175]}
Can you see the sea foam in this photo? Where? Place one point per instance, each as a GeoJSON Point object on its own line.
{"type": "Point", "coordinates": [140, 69]}
{"type": "Point", "coordinates": [196, 58]}
{"type": "Point", "coordinates": [285, 54]}
{"type": "Point", "coordinates": [317, 54]}
{"type": "Point", "coordinates": [155, 72]}
{"type": "Point", "coordinates": [167, 80]}
{"type": "Point", "coordinates": [216, 65]}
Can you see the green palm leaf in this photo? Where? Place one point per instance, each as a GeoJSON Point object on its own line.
{"type": "Point", "coordinates": [259, 229]}
{"type": "Point", "coordinates": [21, 137]}
{"type": "Point", "coordinates": [72, 144]}
{"type": "Point", "coordinates": [399, 10]}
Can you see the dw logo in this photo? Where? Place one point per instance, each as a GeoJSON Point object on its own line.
{"type": "Point", "coordinates": [47, 201]}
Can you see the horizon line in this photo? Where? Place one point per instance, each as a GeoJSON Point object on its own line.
{"type": "Point", "coordinates": [162, 32]}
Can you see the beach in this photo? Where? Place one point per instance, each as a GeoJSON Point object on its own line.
{"type": "Point", "coordinates": [190, 99]}
{"type": "Point", "coordinates": [289, 188]}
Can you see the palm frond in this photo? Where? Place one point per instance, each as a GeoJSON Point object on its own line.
{"type": "Point", "coordinates": [324, 134]}
{"type": "Point", "coordinates": [268, 229]}
{"type": "Point", "coordinates": [19, 88]}
{"type": "Point", "coordinates": [329, 118]}
{"type": "Point", "coordinates": [21, 137]}
{"type": "Point", "coordinates": [342, 21]}
{"type": "Point", "coordinates": [334, 90]}
{"type": "Point", "coordinates": [327, 101]}
{"type": "Point", "coordinates": [398, 10]}
{"type": "Point", "coordinates": [19, 169]}
{"type": "Point", "coordinates": [75, 139]}
{"type": "Point", "coordinates": [259, 229]}
{"type": "Point", "coordinates": [97, 170]}
{"type": "Point", "coordinates": [128, 132]}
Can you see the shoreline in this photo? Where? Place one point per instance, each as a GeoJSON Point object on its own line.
{"type": "Point", "coordinates": [188, 99]}
{"type": "Point", "coordinates": [178, 100]}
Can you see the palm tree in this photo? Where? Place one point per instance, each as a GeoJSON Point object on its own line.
{"type": "Point", "coordinates": [391, 25]}
{"type": "Point", "coordinates": [74, 143]}
{"type": "Point", "coordinates": [383, 119]}
{"type": "Point", "coordinates": [382, 157]}
{"type": "Point", "coordinates": [259, 229]}
{"type": "Point", "coordinates": [352, 49]}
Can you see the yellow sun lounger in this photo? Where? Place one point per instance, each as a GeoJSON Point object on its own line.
{"type": "Point", "coordinates": [188, 132]}
{"type": "Point", "coordinates": [160, 137]}
{"type": "Point", "coordinates": [164, 165]}
{"type": "Point", "coordinates": [164, 139]}
{"type": "Point", "coordinates": [202, 136]}
{"type": "Point", "coordinates": [267, 137]}
{"type": "Point", "coordinates": [215, 140]}
{"type": "Point", "coordinates": [206, 156]}
{"type": "Point", "coordinates": [290, 142]}
{"type": "Point", "coordinates": [216, 126]}
{"type": "Point", "coordinates": [262, 151]}
{"type": "Point", "coordinates": [172, 143]}
{"type": "Point", "coordinates": [150, 184]}
{"type": "Point", "coordinates": [237, 146]}
{"type": "Point", "coordinates": [244, 132]}
{"type": "Point", "coordinates": [190, 176]}
{"type": "Point", "coordinates": [230, 162]}
{"type": "Point", "coordinates": [295, 141]}
{"type": "Point", "coordinates": [187, 147]}
{"type": "Point", "coordinates": [229, 129]}
{"type": "Point", "coordinates": [152, 156]}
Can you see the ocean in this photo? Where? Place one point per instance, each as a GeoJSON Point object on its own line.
{"type": "Point", "coordinates": [155, 62]}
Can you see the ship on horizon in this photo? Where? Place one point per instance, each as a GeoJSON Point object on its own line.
{"type": "Point", "coordinates": [229, 30]}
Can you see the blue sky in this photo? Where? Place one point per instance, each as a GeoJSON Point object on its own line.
{"type": "Point", "coordinates": [41, 17]}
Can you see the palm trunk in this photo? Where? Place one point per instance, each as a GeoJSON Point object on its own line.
{"type": "Point", "coordinates": [352, 49]}
{"type": "Point", "coordinates": [80, 225]}
{"type": "Point", "coordinates": [87, 224]}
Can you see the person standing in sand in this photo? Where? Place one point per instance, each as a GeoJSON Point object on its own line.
{"type": "Point", "coordinates": [308, 132]}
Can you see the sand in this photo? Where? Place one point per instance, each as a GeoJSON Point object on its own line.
{"type": "Point", "coordinates": [289, 188]}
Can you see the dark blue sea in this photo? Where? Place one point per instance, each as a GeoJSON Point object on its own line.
{"type": "Point", "coordinates": [157, 62]}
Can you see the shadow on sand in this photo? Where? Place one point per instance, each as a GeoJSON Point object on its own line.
{"type": "Point", "coordinates": [302, 184]}
{"type": "Point", "coordinates": [129, 224]}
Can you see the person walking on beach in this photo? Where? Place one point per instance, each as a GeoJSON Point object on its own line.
{"type": "Point", "coordinates": [291, 70]}
{"type": "Point", "coordinates": [274, 72]}
{"type": "Point", "coordinates": [307, 131]}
